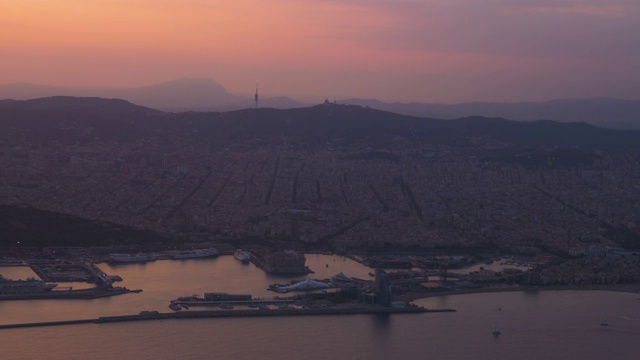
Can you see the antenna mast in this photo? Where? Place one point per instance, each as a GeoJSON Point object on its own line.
{"type": "Point", "coordinates": [256, 96]}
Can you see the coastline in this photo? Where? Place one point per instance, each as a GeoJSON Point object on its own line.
{"type": "Point", "coordinates": [630, 288]}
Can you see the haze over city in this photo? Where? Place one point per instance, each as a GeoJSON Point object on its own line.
{"type": "Point", "coordinates": [431, 51]}
{"type": "Point", "coordinates": [320, 179]}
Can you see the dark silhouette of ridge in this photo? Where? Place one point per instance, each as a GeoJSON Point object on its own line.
{"type": "Point", "coordinates": [33, 226]}
{"type": "Point", "coordinates": [183, 94]}
{"type": "Point", "coordinates": [604, 112]}
{"type": "Point", "coordinates": [205, 94]}
{"type": "Point", "coordinates": [51, 117]}
{"type": "Point", "coordinates": [314, 125]}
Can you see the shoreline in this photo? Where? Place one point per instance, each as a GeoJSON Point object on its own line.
{"type": "Point", "coordinates": [630, 288]}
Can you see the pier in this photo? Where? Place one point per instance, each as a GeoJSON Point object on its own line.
{"type": "Point", "coordinates": [155, 315]}
{"type": "Point", "coordinates": [92, 293]}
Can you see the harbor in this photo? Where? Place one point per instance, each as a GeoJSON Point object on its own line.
{"type": "Point", "coordinates": [163, 281]}
{"type": "Point", "coordinates": [399, 331]}
{"type": "Point", "coordinates": [337, 281]}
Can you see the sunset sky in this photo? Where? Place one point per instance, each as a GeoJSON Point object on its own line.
{"type": "Point", "coordinates": [395, 50]}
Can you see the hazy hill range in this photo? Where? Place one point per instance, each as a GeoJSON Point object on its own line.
{"type": "Point", "coordinates": [603, 112]}
{"type": "Point", "coordinates": [185, 94]}
{"type": "Point", "coordinates": [202, 94]}
{"type": "Point", "coordinates": [328, 176]}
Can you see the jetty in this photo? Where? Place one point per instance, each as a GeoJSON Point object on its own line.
{"type": "Point", "coordinates": [91, 293]}
{"type": "Point", "coordinates": [155, 315]}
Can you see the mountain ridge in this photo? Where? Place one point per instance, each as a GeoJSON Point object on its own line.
{"type": "Point", "coordinates": [604, 112]}
{"type": "Point", "coordinates": [315, 123]}
{"type": "Point", "coordinates": [205, 94]}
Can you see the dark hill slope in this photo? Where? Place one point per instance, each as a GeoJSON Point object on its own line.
{"type": "Point", "coordinates": [33, 227]}
{"type": "Point", "coordinates": [81, 119]}
{"type": "Point", "coordinates": [373, 128]}
{"type": "Point", "coordinates": [77, 119]}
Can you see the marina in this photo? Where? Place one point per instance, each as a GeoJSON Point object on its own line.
{"type": "Point", "coordinates": [552, 324]}
{"type": "Point", "coordinates": [566, 323]}
{"type": "Point", "coordinates": [161, 281]}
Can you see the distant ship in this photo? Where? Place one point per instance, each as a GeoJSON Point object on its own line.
{"type": "Point", "coordinates": [496, 332]}
{"type": "Point", "coordinates": [127, 258]}
{"type": "Point", "coordinates": [304, 285]}
{"type": "Point", "coordinates": [31, 285]}
{"type": "Point", "coordinates": [243, 256]}
{"type": "Point", "coordinates": [194, 254]}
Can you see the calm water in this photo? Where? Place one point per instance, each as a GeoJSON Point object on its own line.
{"type": "Point", "coordinates": [163, 281]}
{"type": "Point", "coordinates": [534, 325]}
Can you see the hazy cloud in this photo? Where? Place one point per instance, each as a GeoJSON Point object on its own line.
{"type": "Point", "coordinates": [444, 50]}
{"type": "Point", "coordinates": [514, 28]}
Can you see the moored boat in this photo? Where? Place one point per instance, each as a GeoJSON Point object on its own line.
{"type": "Point", "coordinates": [496, 332]}
{"type": "Point", "coordinates": [127, 258]}
{"type": "Point", "coordinates": [243, 256]}
{"type": "Point", "coordinates": [304, 285]}
{"type": "Point", "coordinates": [31, 285]}
{"type": "Point", "coordinates": [194, 254]}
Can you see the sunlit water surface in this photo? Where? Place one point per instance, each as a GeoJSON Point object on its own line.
{"type": "Point", "coordinates": [534, 325]}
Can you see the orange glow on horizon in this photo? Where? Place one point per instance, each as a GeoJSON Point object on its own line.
{"type": "Point", "coordinates": [424, 46]}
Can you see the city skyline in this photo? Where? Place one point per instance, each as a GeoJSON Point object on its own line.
{"type": "Point", "coordinates": [427, 51]}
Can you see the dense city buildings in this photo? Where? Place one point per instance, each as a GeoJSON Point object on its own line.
{"type": "Point", "coordinates": [402, 183]}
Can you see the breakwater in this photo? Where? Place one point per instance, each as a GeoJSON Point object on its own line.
{"type": "Point", "coordinates": [93, 293]}
{"type": "Point", "coordinates": [154, 315]}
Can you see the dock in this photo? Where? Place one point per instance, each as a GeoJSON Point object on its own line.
{"type": "Point", "coordinates": [155, 315]}
{"type": "Point", "coordinates": [92, 293]}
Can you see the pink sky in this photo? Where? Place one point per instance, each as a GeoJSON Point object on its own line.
{"type": "Point", "coordinates": [397, 50]}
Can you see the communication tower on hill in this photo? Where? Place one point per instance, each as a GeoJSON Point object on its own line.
{"type": "Point", "coordinates": [256, 96]}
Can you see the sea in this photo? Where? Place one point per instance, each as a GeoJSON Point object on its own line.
{"type": "Point", "coordinates": [533, 324]}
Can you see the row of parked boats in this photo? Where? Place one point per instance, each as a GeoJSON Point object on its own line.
{"type": "Point", "coordinates": [241, 255]}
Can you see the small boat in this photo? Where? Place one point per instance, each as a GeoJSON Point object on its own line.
{"type": "Point", "coordinates": [195, 254]}
{"type": "Point", "coordinates": [496, 332]}
{"type": "Point", "coordinates": [604, 323]}
{"type": "Point", "coordinates": [130, 258]}
{"type": "Point", "coordinates": [242, 256]}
